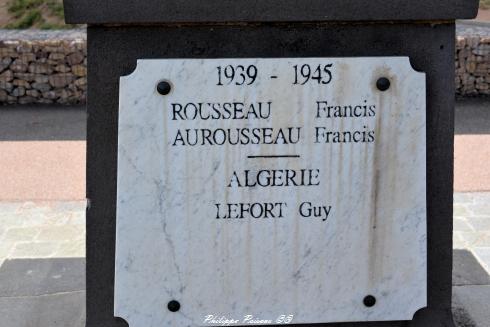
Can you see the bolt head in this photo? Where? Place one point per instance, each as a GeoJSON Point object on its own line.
{"type": "Point", "coordinates": [383, 84]}
{"type": "Point", "coordinates": [164, 87]}
{"type": "Point", "coordinates": [173, 306]}
{"type": "Point", "coordinates": [369, 301]}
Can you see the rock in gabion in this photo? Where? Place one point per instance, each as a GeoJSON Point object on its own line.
{"type": "Point", "coordinates": [51, 67]}
{"type": "Point", "coordinates": [472, 60]}
{"type": "Point", "coordinates": [43, 67]}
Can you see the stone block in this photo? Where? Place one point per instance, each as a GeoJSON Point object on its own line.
{"type": "Point", "coordinates": [72, 249]}
{"type": "Point", "coordinates": [62, 68]}
{"type": "Point", "coordinates": [79, 70]}
{"type": "Point", "coordinates": [56, 56]}
{"type": "Point", "coordinates": [81, 81]}
{"type": "Point", "coordinates": [50, 49]}
{"type": "Point", "coordinates": [39, 78]}
{"type": "Point", "coordinates": [460, 42]}
{"type": "Point", "coordinates": [3, 95]}
{"type": "Point", "coordinates": [18, 91]}
{"type": "Point", "coordinates": [61, 233]}
{"type": "Point", "coordinates": [68, 47]}
{"type": "Point", "coordinates": [480, 52]}
{"type": "Point", "coordinates": [26, 100]}
{"type": "Point", "coordinates": [72, 87]}
{"type": "Point", "coordinates": [77, 95]}
{"type": "Point", "coordinates": [24, 47]}
{"type": "Point", "coordinates": [20, 234]}
{"type": "Point", "coordinates": [80, 45]}
{"type": "Point", "coordinates": [9, 44]}
{"type": "Point", "coordinates": [40, 54]}
{"type": "Point", "coordinates": [43, 87]}
{"type": "Point", "coordinates": [75, 58]}
{"type": "Point", "coordinates": [18, 66]}
{"type": "Point", "coordinates": [40, 68]}
{"type": "Point", "coordinates": [50, 95]}
{"type": "Point", "coordinates": [52, 43]}
{"type": "Point", "coordinates": [27, 57]}
{"type": "Point", "coordinates": [473, 41]}
{"type": "Point", "coordinates": [461, 225]}
{"type": "Point", "coordinates": [64, 95]}
{"type": "Point", "coordinates": [7, 86]}
{"type": "Point", "coordinates": [33, 93]}
{"type": "Point", "coordinates": [44, 101]}
{"type": "Point", "coordinates": [21, 82]}
{"type": "Point", "coordinates": [61, 80]}
{"type": "Point", "coordinates": [4, 63]}
{"type": "Point", "coordinates": [25, 76]}
{"type": "Point", "coordinates": [35, 249]}
{"type": "Point", "coordinates": [7, 52]}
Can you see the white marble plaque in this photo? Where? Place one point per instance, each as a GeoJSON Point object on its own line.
{"type": "Point", "coordinates": [263, 191]}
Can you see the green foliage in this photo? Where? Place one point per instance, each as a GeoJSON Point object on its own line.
{"type": "Point", "coordinates": [20, 7]}
{"type": "Point", "coordinates": [33, 13]}
{"type": "Point", "coordinates": [56, 8]}
{"type": "Point", "coordinates": [51, 26]}
{"type": "Point", "coordinates": [485, 4]}
{"type": "Point", "coordinates": [27, 20]}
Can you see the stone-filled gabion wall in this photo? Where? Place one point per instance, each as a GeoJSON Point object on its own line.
{"type": "Point", "coordinates": [49, 70]}
{"type": "Point", "coordinates": [473, 65]}
{"type": "Point", "coordinates": [51, 66]}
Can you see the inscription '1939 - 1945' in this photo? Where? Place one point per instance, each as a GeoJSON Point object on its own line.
{"type": "Point", "coordinates": [247, 75]}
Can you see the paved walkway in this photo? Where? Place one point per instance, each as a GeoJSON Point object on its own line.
{"type": "Point", "coordinates": [471, 274]}
{"type": "Point", "coordinates": [42, 217]}
{"type": "Point", "coordinates": [472, 146]}
{"type": "Point", "coordinates": [42, 230]}
{"type": "Point", "coordinates": [42, 250]}
{"type": "Point", "coordinates": [43, 153]}
{"type": "Point", "coordinates": [472, 225]}
{"type": "Point", "coordinates": [42, 264]}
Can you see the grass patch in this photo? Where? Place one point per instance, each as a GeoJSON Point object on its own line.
{"type": "Point", "coordinates": [57, 9]}
{"type": "Point", "coordinates": [485, 4]}
{"type": "Point", "coordinates": [20, 7]}
{"type": "Point", "coordinates": [27, 20]}
{"type": "Point", "coordinates": [43, 14]}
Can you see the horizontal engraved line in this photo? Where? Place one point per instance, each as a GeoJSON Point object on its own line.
{"type": "Point", "coordinates": [275, 156]}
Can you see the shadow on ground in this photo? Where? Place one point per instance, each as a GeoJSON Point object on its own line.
{"type": "Point", "coordinates": [51, 292]}
{"type": "Point", "coordinates": [472, 116]}
{"type": "Point", "coordinates": [471, 291]}
{"type": "Point", "coordinates": [42, 292]}
{"type": "Point", "coordinates": [40, 123]}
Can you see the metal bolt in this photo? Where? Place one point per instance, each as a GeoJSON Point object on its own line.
{"type": "Point", "coordinates": [383, 84]}
{"type": "Point", "coordinates": [173, 306]}
{"type": "Point", "coordinates": [369, 301]}
{"type": "Point", "coordinates": [164, 88]}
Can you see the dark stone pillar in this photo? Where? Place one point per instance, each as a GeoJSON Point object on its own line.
{"type": "Point", "coordinates": [422, 30]}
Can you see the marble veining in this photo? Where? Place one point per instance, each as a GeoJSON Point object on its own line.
{"type": "Point", "coordinates": [331, 171]}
